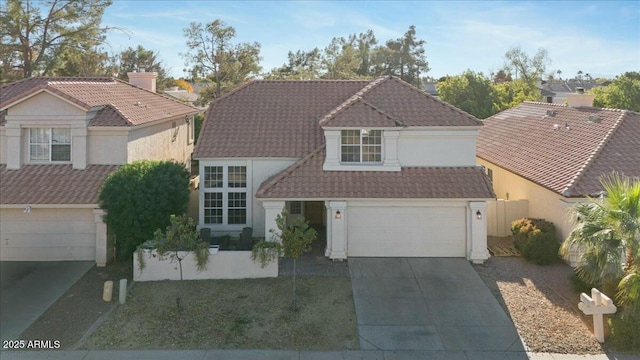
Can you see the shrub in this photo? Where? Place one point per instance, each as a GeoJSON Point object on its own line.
{"type": "Point", "coordinates": [536, 240]}
{"type": "Point", "coordinates": [625, 332]}
{"type": "Point", "coordinates": [541, 248]}
{"type": "Point", "coordinates": [140, 197]}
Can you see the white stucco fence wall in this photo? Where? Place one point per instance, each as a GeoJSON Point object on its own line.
{"type": "Point", "coordinates": [221, 265]}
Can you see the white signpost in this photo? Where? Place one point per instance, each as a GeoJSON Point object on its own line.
{"type": "Point", "coordinates": [597, 305]}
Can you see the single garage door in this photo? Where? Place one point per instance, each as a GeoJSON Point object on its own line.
{"type": "Point", "coordinates": [47, 234]}
{"type": "Point", "coordinates": [406, 231]}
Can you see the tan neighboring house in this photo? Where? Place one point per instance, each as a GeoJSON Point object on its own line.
{"type": "Point", "coordinates": [386, 169]}
{"type": "Point", "coordinates": [553, 155]}
{"type": "Point", "coordinates": [59, 140]}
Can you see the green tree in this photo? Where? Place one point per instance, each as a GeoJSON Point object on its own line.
{"type": "Point", "coordinates": [622, 93]}
{"type": "Point", "coordinates": [130, 60]}
{"type": "Point", "coordinates": [33, 34]}
{"type": "Point", "coordinates": [512, 93]}
{"type": "Point", "coordinates": [607, 231]}
{"type": "Point", "coordinates": [302, 65]}
{"type": "Point", "coordinates": [469, 91]}
{"type": "Point", "coordinates": [214, 56]}
{"type": "Point", "coordinates": [403, 57]}
{"type": "Point", "coordinates": [525, 67]}
{"type": "Point", "coordinates": [82, 60]}
{"type": "Point", "coordinates": [296, 238]}
{"type": "Point", "coordinates": [140, 197]}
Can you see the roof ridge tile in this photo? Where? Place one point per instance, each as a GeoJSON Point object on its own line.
{"type": "Point", "coordinates": [583, 169]}
{"type": "Point", "coordinates": [355, 97]}
{"type": "Point", "coordinates": [284, 173]}
{"type": "Point", "coordinates": [437, 100]}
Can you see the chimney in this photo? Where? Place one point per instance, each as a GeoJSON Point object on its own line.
{"type": "Point", "coordinates": [145, 80]}
{"type": "Point", "coordinates": [579, 98]}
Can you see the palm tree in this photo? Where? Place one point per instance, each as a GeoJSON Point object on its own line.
{"type": "Point", "coordinates": [559, 74]}
{"type": "Point", "coordinates": [607, 230]}
{"type": "Point", "coordinates": [579, 75]}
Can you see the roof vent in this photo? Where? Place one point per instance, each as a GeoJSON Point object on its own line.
{"type": "Point", "coordinates": [595, 118]}
{"type": "Point", "coordinates": [556, 126]}
{"type": "Point", "coordinates": [551, 112]}
{"type": "Point", "coordinates": [580, 90]}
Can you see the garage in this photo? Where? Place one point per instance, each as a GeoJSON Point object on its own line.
{"type": "Point", "coordinates": [406, 231]}
{"type": "Point", "coordinates": [47, 234]}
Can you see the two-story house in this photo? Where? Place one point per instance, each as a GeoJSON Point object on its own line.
{"type": "Point", "coordinates": [59, 140]}
{"type": "Point", "coordinates": [387, 169]}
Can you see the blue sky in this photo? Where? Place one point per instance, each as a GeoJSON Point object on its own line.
{"type": "Point", "coordinates": [600, 38]}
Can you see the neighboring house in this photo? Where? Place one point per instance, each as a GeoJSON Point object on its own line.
{"type": "Point", "coordinates": [59, 140]}
{"type": "Point", "coordinates": [387, 169]}
{"type": "Point", "coordinates": [182, 95]}
{"type": "Point", "coordinates": [431, 87]}
{"type": "Point", "coordinates": [554, 155]}
{"type": "Point", "coordinates": [557, 92]}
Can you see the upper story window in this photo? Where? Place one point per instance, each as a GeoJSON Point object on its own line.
{"type": "Point", "coordinates": [49, 145]}
{"type": "Point", "coordinates": [361, 146]}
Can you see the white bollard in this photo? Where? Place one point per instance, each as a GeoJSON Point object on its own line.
{"type": "Point", "coordinates": [122, 295]}
{"type": "Point", "coordinates": [107, 291]}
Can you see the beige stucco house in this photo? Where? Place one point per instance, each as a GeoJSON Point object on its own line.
{"type": "Point", "coordinates": [554, 155]}
{"type": "Point", "coordinates": [383, 167]}
{"type": "Point", "coordinates": [59, 139]}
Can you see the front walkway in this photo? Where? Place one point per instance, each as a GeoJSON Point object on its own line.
{"type": "Point", "coordinates": [428, 304]}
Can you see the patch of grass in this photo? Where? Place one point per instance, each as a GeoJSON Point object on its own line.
{"type": "Point", "coordinates": [233, 314]}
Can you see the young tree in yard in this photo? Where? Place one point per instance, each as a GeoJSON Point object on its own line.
{"type": "Point", "coordinates": [179, 239]}
{"type": "Point", "coordinates": [607, 231]}
{"type": "Point", "coordinates": [468, 91]}
{"type": "Point", "coordinates": [34, 34]}
{"type": "Point", "coordinates": [622, 93]}
{"type": "Point", "coordinates": [213, 55]}
{"type": "Point", "coordinates": [296, 238]}
{"type": "Point", "coordinates": [140, 197]}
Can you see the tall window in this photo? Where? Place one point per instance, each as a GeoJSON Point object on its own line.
{"type": "Point", "coordinates": [361, 146]}
{"type": "Point", "coordinates": [50, 145]}
{"type": "Point", "coordinates": [225, 195]}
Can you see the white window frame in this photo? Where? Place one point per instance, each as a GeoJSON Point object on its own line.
{"type": "Point", "coordinates": [363, 133]}
{"type": "Point", "coordinates": [226, 188]}
{"type": "Point", "coordinates": [50, 144]}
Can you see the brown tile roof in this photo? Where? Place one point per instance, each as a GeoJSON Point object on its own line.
{"type": "Point", "coordinates": [52, 184]}
{"type": "Point", "coordinates": [271, 118]}
{"type": "Point", "coordinates": [134, 105]}
{"type": "Point", "coordinates": [306, 180]}
{"type": "Point", "coordinates": [533, 141]}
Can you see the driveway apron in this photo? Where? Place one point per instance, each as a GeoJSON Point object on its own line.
{"type": "Point", "coordinates": [30, 288]}
{"type": "Point", "coordinates": [429, 304]}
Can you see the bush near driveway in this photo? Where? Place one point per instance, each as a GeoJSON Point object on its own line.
{"type": "Point", "coordinates": [536, 239]}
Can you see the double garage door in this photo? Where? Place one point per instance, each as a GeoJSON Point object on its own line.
{"type": "Point", "coordinates": [406, 231]}
{"type": "Point", "coordinates": [47, 234]}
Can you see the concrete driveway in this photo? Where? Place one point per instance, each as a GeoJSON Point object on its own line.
{"type": "Point", "coordinates": [28, 289]}
{"type": "Point", "coordinates": [428, 304]}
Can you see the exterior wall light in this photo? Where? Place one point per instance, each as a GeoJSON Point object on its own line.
{"type": "Point", "coordinates": [479, 215]}
{"type": "Point", "coordinates": [338, 215]}
{"type": "Point", "coordinates": [27, 209]}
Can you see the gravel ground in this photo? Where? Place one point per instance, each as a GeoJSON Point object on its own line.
{"type": "Point", "coordinates": [542, 304]}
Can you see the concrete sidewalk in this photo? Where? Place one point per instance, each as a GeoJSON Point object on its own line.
{"type": "Point", "coordinates": [29, 292]}
{"type": "Point", "coordinates": [295, 355]}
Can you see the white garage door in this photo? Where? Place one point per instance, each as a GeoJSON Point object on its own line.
{"type": "Point", "coordinates": [406, 231]}
{"type": "Point", "coordinates": [47, 234]}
